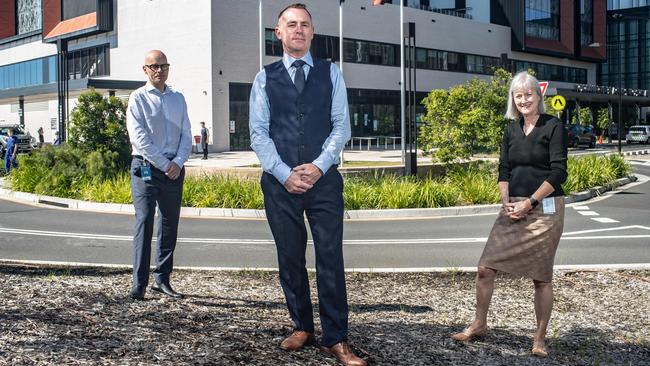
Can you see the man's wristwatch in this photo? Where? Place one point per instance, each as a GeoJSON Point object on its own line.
{"type": "Point", "coordinates": [533, 201]}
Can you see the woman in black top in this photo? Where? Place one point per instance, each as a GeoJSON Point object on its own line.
{"type": "Point", "coordinates": [524, 238]}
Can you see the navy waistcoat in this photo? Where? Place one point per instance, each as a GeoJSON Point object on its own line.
{"type": "Point", "coordinates": [300, 123]}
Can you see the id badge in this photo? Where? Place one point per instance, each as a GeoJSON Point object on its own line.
{"type": "Point", "coordinates": [145, 172]}
{"type": "Point", "coordinates": [548, 205]}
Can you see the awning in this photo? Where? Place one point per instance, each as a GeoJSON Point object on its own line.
{"type": "Point", "coordinates": [75, 87]}
{"type": "Point", "coordinates": [590, 97]}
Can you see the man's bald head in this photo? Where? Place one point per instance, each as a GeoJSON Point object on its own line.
{"type": "Point", "coordinates": [155, 57]}
{"type": "Point", "coordinates": [156, 68]}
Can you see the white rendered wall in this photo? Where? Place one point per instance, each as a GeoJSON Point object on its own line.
{"type": "Point", "coordinates": [182, 30]}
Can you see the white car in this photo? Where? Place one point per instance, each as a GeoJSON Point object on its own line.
{"type": "Point", "coordinates": [25, 140]}
{"type": "Point", "coordinates": [640, 134]}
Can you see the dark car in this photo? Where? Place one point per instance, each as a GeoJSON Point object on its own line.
{"type": "Point", "coordinates": [581, 135]}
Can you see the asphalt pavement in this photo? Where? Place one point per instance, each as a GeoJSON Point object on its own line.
{"type": "Point", "coordinates": [610, 230]}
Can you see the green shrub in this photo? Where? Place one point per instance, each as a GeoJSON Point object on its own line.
{"type": "Point", "coordinates": [61, 171]}
{"type": "Point", "coordinates": [98, 123]}
{"type": "Point", "coordinates": [69, 172]}
{"type": "Point", "coordinates": [589, 171]}
{"type": "Point", "coordinates": [222, 191]}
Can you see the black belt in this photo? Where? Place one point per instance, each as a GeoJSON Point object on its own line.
{"type": "Point", "coordinates": [140, 157]}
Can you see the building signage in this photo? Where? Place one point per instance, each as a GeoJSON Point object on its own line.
{"type": "Point", "coordinates": [597, 89]}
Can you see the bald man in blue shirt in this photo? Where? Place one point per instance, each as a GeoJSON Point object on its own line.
{"type": "Point", "coordinates": [160, 135]}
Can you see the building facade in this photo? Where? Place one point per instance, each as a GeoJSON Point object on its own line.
{"type": "Point", "coordinates": [215, 49]}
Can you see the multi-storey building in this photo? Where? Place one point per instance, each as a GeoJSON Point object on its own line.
{"type": "Point", "coordinates": [53, 50]}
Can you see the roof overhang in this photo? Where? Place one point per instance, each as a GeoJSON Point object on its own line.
{"type": "Point", "coordinates": [75, 87]}
{"type": "Point", "coordinates": [596, 97]}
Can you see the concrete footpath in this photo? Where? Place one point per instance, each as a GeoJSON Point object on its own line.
{"type": "Point", "coordinates": [233, 161]}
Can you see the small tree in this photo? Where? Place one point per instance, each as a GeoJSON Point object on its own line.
{"type": "Point", "coordinates": [602, 119]}
{"type": "Point", "coordinates": [466, 119]}
{"type": "Point", "coordinates": [585, 117]}
{"type": "Point", "coordinates": [99, 124]}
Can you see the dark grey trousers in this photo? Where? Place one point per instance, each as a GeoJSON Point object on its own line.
{"type": "Point", "coordinates": [166, 194]}
{"type": "Point", "coordinates": [323, 205]}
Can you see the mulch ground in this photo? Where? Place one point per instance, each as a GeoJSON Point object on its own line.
{"type": "Point", "coordinates": [83, 316]}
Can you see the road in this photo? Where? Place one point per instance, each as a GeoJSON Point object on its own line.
{"type": "Point", "coordinates": [613, 229]}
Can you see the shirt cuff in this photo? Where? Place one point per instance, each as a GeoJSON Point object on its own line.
{"type": "Point", "coordinates": [281, 172]}
{"type": "Point", "coordinates": [323, 163]}
{"type": "Point", "coordinates": [179, 161]}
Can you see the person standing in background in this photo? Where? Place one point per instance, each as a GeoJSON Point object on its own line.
{"type": "Point", "coordinates": [205, 136]}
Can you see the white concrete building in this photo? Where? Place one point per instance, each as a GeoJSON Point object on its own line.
{"type": "Point", "coordinates": [214, 51]}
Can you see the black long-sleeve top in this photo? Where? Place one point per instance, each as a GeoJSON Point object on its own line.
{"type": "Point", "coordinates": [527, 161]}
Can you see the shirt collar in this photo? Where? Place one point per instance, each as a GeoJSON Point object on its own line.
{"type": "Point", "coordinates": [151, 88]}
{"type": "Point", "coordinates": [287, 60]}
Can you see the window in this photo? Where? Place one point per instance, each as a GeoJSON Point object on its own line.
{"type": "Point", "coordinates": [75, 8]}
{"type": "Point", "coordinates": [387, 54]}
{"type": "Point", "coordinates": [28, 73]}
{"type": "Point", "coordinates": [554, 72]}
{"type": "Point", "coordinates": [543, 19]}
{"type": "Point", "coordinates": [28, 16]}
{"type": "Point", "coordinates": [586, 22]}
{"type": "Point", "coordinates": [88, 62]}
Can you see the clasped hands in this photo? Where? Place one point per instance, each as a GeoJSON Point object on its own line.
{"type": "Point", "coordinates": [302, 178]}
{"type": "Point", "coordinates": [173, 171]}
{"type": "Point", "coordinates": [517, 210]}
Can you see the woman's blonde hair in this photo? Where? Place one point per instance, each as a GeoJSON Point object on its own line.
{"type": "Point", "coordinates": [523, 81]}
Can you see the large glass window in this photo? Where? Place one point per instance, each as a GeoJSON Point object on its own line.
{"type": "Point", "coordinates": [75, 8]}
{"type": "Point", "coordinates": [554, 72]}
{"type": "Point", "coordinates": [28, 73]}
{"type": "Point", "coordinates": [586, 22]}
{"type": "Point", "coordinates": [628, 54]}
{"type": "Point", "coordinates": [28, 16]}
{"type": "Point", "coordinates": [543, 19]}
{"type": "Point", "coordinates": [387, 54]}
{"type": "Point", "coordinates": [88, 62]}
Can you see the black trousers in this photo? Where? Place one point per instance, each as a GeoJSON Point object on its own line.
{"type": "Point", "coordinates": [166, 194]}
{"type": "Point", "coordinates": [205, 150]}
{"type": "Point", "coordinates": [323, 205]}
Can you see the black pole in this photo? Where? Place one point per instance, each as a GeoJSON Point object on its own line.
{"type": "Point", "coordinates": [620, 95]}
{"type": "Point", "coordinates": [21, 111]}
{"type": "Point", "coordinates": [62, 86]}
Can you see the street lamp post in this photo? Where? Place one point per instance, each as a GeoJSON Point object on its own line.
{"type": "Point", "coordinates": [619, 82]}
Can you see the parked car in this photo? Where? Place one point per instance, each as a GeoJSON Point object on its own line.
{"type": "Point", "coordinates": [579, 134]}
{"type": "Point", "coordinates": [640, 134]}
{"type": "Point", "coordinates": [25, 140]}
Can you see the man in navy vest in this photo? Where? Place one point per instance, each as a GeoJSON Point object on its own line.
{"type": "Point", "coordinates": [299, 123]}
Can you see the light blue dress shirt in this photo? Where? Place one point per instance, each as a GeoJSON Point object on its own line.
{"type": "Point", "coordinates": [159, 127]}
{"type": "Point", "coordinates": [260, 118]}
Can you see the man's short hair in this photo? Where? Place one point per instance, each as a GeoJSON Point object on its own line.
{"type": "Point", "coordinates": [295, 6]}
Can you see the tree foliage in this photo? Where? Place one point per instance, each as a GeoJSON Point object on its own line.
{"type": "Point", "coordinates": [602, 119]}
{"type": "Point", "coordinates": [585, 117]}
{"type": "Point", "coordinates": [98, 123]}
{"type": "Point", "coordinates": [467, 119]}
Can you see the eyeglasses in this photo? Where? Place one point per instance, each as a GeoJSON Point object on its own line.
{"type": "Point", "coordinates": [156, 67]}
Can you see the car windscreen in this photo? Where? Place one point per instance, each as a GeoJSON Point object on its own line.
{"type": "Point", "coordinates": [637, 129]}
{"type": "Point", "coordinates": [17, 131]}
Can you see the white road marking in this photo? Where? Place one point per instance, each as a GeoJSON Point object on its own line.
{"type": "Point", "coordinates": [580, 208]}
{"type": "Point", "coordinates": [588, 213]}
{"type": "Point", "coordinates": [606, 229]}
{"type": "Point", "coordinates": [605, 220]}
{"type": "Point", "coordinates": [560, 267]}
{"type": "Point", "coordinates": [478, 240]}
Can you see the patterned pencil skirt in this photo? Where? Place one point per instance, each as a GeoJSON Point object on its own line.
{"type": "Point", "coordinates": [525, 247]}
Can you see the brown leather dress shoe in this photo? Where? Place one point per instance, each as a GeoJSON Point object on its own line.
{"type": "Point", "coordinates": [343, 352]}
{"type": "Point", "coordinates": [297, 340]}
{"type": "Point", "coordinates": [469, 334]}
